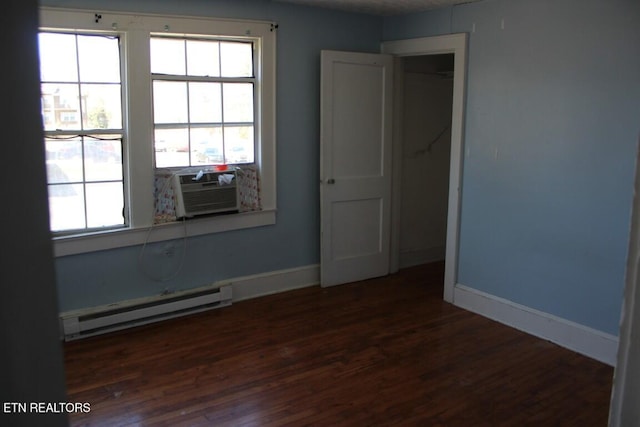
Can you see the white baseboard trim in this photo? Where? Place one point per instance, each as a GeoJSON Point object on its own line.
{"type": "Point", "coordinates": [590, 342]}
{"type": "Point", "coordinates": [413, 257]}
{"type": "Point", "coordinates": [240, 288]}
{"type": "Point", "coordinates": [273, 282]}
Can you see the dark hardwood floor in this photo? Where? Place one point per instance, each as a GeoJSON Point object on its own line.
{"type": "Point", "coordinates": [381, 352]}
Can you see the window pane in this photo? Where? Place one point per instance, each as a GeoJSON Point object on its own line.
{"type": "Point", "coordinates": [60, 106]}
{"type": "Point", "coordinates": [205, 102]}
{"type": "Point", "coordinates": [64, 160]}
{"type": "Point", "coordinates": [203, 58]}
{"type": "Point", "coordinates": [206, 146]}
{"type": "Point", "coordinates": [104, 204]}
{"type": "Point", "coordinates": [170, 102]}
{"type": "Point", "coordinates": [167, 56]}
{"type": "Point", "coordinates": [238, 102]}
{"type": "Point", "coordinates": [63, 149]}
{"type": "Point", "coordinates": [238, 144]}
{"type": "Point", "coordinates": [102, 106]}
{"type": "Point", "coordinates": [58, 57]}
{"type": "Point", "coordinates": [103, 160]}
{"type": "Point", "coordinates": [236, 59]}
{"type": "Point", "coordinates": [66, 207]}
{"type": "Point", "coordinates": [172, 147]}
{"type": "Point", "coordinates": [99, 59]}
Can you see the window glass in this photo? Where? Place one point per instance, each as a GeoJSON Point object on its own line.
{"type": "Point", "coordinates": [102, 159]}
{"type": "Point", "coordinates": [104, 202]}
{"type": "Point", "coordinates": [75, 167]}
{"type": "Point", "coordinates": [64, 160]}
{"type": "Point", "coordinates": [170, 102]}
{"type": "Point", "coordinates": [61, 106]}
{"type": "Point", "coordinates": [205, 102]}
{"type": "Point", "coordinates": [99, 59]}
{"type": "Point", "coordinates": [66, 207]}
{"type": "Point", "coordinates": [167, 56]}
{"type": "Point", "coordinates": [238, 102]}
{"type": "Point", "coordinates": [238, 144]}
{"type": "Point", "coordinates": [207, 147]}
{"type": "Point", "coordinates": [236, 59]}
{"type": "Point", "coordinates": [171, 147]}
{"type": "Point", "coordinates": [58, 57]}
{"type": "Point", "coordinates": [101, 106]}
{"type": "Point", "coordinates": [203, 58]}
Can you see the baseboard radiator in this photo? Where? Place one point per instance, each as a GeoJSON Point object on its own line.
{"type": "Point", "coordinates": [113, 317]}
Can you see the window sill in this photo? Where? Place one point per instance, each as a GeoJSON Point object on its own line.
{"type": "Point", "coordinates": [78, 244]}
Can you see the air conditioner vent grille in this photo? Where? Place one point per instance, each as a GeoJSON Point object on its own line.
{"type": "Point", "coordinates": [223, 198]}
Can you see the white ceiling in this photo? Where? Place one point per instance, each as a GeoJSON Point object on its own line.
{"type": "Point", "coordinates": [380, 7]}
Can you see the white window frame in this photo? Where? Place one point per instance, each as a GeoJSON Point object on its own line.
{"type": "Point", "coordinates": [138, 151]}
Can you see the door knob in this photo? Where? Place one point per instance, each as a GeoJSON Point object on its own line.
{"type": "Point", "coordinates": [331, 181]}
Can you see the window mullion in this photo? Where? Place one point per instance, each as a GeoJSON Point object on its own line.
{"type": "Point", "coordinates": [81, 126]}
{"type": "Point", "coordinates": [138, 105]}
{"type": "Point", "coordinates": [222, 83]}
{"type": "Point", "coordinates": [186, 67]}
{"type": "Point", "coordinates": [81, 112]}
{"type": "Point", "coordinates": [84, 181]}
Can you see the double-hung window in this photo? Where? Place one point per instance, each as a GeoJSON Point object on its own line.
{"type": "Point", "coordinates": [82, 115]}
{"type": "Point", "coordinates": [203, 101]}
{"type": "Point", "coordinates": [126, 95]}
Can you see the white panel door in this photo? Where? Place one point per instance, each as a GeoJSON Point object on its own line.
{"type": "Point", "coordinates": [355, 165]}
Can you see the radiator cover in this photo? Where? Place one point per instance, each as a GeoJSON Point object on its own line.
{"type": "Point", "coordinates": [99, 320]}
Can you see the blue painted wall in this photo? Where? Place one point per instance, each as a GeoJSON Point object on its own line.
{"type": "Point", "coordinates": [109, 276]}
{"type": "Point", "coordinates": [553, 116]}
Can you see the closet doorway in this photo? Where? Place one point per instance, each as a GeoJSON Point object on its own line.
{"type": "Point", "coordinates": [426, 148]}
{"type": "Point", "coordinates": [426, 56]}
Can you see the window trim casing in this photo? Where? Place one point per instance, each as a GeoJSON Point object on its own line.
{"type": "Point", "coordinates": [135, 30]}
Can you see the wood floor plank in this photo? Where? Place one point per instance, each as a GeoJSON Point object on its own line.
{"type": "Point", "coordinates": [386, 351]}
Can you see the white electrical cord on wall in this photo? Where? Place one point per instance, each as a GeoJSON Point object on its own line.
{"type": "Point", "coordinates": [148, 236]}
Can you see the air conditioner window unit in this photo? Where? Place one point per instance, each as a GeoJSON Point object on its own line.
{"type": "Point", "coordinates": [204, 193]}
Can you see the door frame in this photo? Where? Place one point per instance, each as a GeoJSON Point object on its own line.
{"type": "Point", "coordinates": [451, 43]}
{"type": "Point", "coordinates": [625, 391]}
